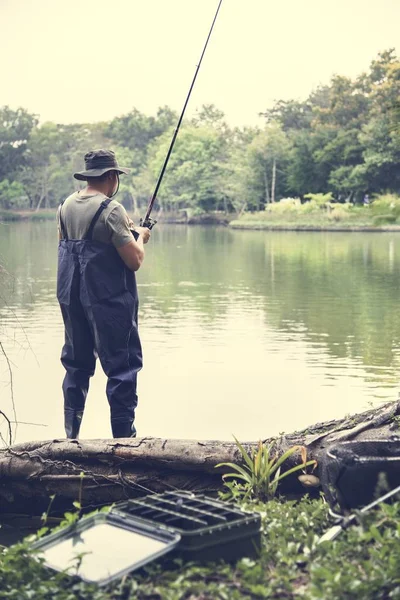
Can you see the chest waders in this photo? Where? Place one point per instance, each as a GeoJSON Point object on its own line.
{"type": "Point", "coordinates": [99, 304]}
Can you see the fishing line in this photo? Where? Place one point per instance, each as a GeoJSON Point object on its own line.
{"type": "Point", "coordinates": [146, 221]}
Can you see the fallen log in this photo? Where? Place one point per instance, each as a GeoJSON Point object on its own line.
{"type": "Point", "coordinates": [105, 471]}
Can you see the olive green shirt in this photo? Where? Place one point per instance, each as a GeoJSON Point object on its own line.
{"type": "Point", "coordinates": [112, 227]}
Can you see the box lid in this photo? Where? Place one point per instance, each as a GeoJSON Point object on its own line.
{"type": "Point", "coordinates": [104, 547]}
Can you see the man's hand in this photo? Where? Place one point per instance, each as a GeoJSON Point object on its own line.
{"type": "Point", "coordinates": [144, 232]}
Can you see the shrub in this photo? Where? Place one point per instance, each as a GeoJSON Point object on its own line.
{"type": "Point", "coordinates": [339, 212]}
{"type": "Point", "coordinates": [285, 205]}
{"type": "Point", "coordinates": [12, 194]}
{"type": "Point", "coordinates": [386, 208]}
{"type": "Point", "coordinates": [261, 471]}
{"type": "Point", "coordinates": [321, 200]}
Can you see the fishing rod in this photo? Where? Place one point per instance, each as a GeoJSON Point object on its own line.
{"type": "Point", "coordinates": [147, 221]}
{"type": "Point", "coordinates": [345, 522]}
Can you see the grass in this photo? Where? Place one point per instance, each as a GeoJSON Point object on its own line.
{"type": "Point", "coordinates": [362, 564]}
{"type": "Point", "coordinates": [45, 214]}
{"type": "Point", "coordinates": [357, 220]}
{"type": "Point", "coordinates": [383, 214]}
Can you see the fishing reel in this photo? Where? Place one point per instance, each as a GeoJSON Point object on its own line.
{"type": "Point", "coordinates": [149, 223]}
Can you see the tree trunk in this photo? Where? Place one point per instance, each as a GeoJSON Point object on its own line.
{"type": "Point", "coordinates": [273, 181]}
{"type": "Point", "coordinates": [40, 201]}
{"type": "Point", "coordinates": [117, 469]}
{"type": "Point", "coordinates": [266, 186]}
{"type": "Point", "coordinates": [134, 204]}
{"type": "Point", "coordinates": [242, 209]}
{"type": "Point", "coordinates": [43, 193]}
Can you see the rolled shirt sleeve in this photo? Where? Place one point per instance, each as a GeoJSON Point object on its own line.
{"type": "Point", "coordinates": [118, 226]}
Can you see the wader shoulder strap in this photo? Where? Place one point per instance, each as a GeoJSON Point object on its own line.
{"type": "Point", "coordinates": [102, 206]}
{"type": "Point", "coordinates": [62, 226]}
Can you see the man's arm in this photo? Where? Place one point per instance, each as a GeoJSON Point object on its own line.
{"type": "Point", "coordinates": [130, 249]}
{"type": "Point", "coordinates": [60, 235]}
{"type": "Point", "coordinates": [133, 253]}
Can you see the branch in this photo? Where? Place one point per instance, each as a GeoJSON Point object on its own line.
{"type": "Point", "coordinates": [12, 394]}
{"type": "Point", "coordinates": [9, 429]}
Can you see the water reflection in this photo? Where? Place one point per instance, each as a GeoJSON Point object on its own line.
{"type": "Point", "coordinates": [249, 333]}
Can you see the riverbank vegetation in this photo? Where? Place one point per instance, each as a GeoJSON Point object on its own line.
{"type": "Point", "coordinates": [363, 563]}
{"type": "Point", "coordinates": [322, 212]}
{"type": "Point", "coordinates": [343, 140]}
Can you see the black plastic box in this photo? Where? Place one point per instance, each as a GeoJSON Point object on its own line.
{"type": "Point", "coordinates": [209, 529]}
{"type": "Point", "coordinates": [355, 473]}
{"type": "Point", "coordinates": [106, 546]}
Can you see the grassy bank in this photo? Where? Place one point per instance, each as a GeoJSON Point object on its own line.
{"type": "Point", "coordinates": [320, 214]}
{"type": "Point", "coordinates": [181, 217]}
{"type": "Point", "coordinates": [189, 217]}
{"type": "Point", "coordinates": [46, 214]}
{"type": "Point", "coordinates": [362, 564]}
{"type": "Point", "coordinates": [359, 219]}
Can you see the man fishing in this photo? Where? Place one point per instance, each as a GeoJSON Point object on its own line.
{"type": "Point", "coordinates": [96, 288]}
{"type": "Point", "coordinates": [98, 256]}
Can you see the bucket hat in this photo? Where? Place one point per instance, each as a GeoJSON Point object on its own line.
{"type": "Point", "coordinates": [98, 162]}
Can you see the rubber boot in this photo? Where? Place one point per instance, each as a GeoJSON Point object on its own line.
{"type": "Point", "coordinates": [72, 423]}
{"type": "Point", "coordinates": [123, 429]}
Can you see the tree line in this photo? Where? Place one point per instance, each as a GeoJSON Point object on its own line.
{"type": "Point", "coordinates": [343, 139]}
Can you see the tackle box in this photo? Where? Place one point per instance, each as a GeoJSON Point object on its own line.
{"type": "Point", "coordinates": [106, 546]}
{"type": "Point", "coordinates": [209, 529]}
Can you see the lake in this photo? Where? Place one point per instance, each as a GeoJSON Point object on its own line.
{"type": "Point", "coordinates": [244, 332]}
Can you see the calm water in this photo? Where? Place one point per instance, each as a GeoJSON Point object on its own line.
{"type": "Point", "coordinates": [245, 333]}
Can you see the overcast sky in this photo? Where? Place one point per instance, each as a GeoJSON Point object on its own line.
{"type": "Point", "coordinates": [91, 60]}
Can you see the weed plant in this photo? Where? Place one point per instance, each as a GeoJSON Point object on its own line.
{"type": "Point", "coordinates": [260, 473]}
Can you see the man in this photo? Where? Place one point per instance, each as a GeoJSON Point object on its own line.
{"type": "Point", "coordinates": [96, 288]}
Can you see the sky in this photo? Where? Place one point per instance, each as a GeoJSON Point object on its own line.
{"type": "Point", "coordinates": [92, 60]}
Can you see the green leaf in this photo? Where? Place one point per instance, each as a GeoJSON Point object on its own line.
{"type": "Point", "coordinates": [284, 457]}
{"type": "Point", "coordinates": [244, 453]}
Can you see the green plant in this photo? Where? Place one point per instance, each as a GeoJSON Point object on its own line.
{"type": "Point", "coordinates": [321, 200]}
{"type": "Point", "coordinates": [261, 472]}
{"type": "Point", "coordinates": [386, 208]}
{"type": "Point", "coordinates": [284, 205]}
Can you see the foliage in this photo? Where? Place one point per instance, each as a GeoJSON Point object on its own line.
{"type": "Point", "coordinates": [15, 129]}
{"type": "Point", "coordinates": [12, 194]}
{"type": "Point", "coordinates": [320, 200]}
{"type": "Point", "coordinates": [362, 564]}
{"type": "Point", "coordinates": [344, 139]}
{"type": "Point", "coordinates": [386, 208]}
{"type": "Point", "coordinates": [310, 216]}
{"type": "Point", "coordinates": [198, 155]}
{"type": "Point", "coordinates": [261, 472]}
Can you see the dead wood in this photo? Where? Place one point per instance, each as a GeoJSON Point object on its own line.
{"type": "Point", "coordinates": [117, 469]}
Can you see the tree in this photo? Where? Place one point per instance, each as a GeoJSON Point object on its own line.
{"type": "Point", "coordinates": [54, 153]}
{"type": "Point", "coordinates": [380, 137]}
{"type": "Point", "coordinates": [12, 194]}
{"type": "Point", "coordinates": [290, 114]}
{"type": "Point", "coordinates": [268, 155]}
{"type": "Point", "coordinates": [15, 129]}
{"type": "Point", "coordinates": [193, 179]}
{"type": "Point", "coordinates": [137, 132]}
{"type": "Point", "coordinates": [344, 137]}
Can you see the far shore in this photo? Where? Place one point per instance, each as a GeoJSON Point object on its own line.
{"type": "Point", "coordinates": [247, 221]}
{"type": "Point", "coordinates": [253, 226]}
